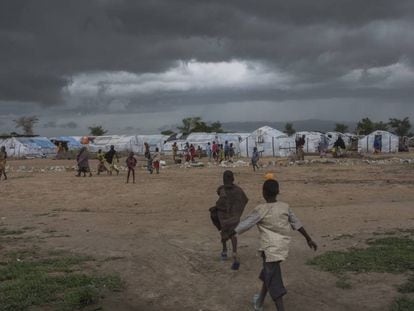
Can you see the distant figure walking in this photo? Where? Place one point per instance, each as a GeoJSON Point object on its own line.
{"type": "Point", "coordinates": [175, 152]}
{"type": "Point", "coordinates": [300, 144]}
{"type": "Point", "coordinates": [3, 160]}
{"type": "Point", "coordinates": [83, 162]}
{"type": "Point", "coordinates": [131, 163]}
{"type": "Point", "coordinates": [103, 166]}
{"type": "Point", "coordinates": [255, 158]}
{"type": "Point", "coordinates": [156, 160]}
{"type": "Point", "coordinates": [111, 157]}
{"type": "Point", "coordinates": [147, 156]}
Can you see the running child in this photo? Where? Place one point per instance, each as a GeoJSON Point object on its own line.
{"type": "Point", "coordinates": [131, 163]}
{"type": "Point", "coordinates": [274, 220]}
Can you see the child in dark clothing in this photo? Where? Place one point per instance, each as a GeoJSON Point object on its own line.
{"type": "Point", "coordinates": [131, 163]}
{"type": "Point", "coordinates": [227, 212]}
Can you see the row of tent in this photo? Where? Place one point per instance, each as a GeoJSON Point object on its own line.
{"type": "Point", "coordinates": [269, 141]}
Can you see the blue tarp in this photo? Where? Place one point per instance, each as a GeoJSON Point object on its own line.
{"type": "Point", "coordinates": [41, 142]}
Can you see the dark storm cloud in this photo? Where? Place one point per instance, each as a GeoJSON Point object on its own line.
{"type": "Point", "coordinates": [45, 44]}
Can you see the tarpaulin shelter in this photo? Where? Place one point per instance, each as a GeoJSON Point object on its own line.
{"type": "Point", "coordinates": [380, 141]}
{"type": "Point", "coordinates": [269, 142]}
{"type": "Point", "coordinates": [312, 141]}
{"type": "Point", "coordinates": [28, 147]}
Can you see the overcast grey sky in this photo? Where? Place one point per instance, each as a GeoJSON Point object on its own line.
{"type": "Point", "coordinates": [138, 66]}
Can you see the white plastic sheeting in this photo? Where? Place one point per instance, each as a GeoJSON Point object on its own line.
{"type": "Point", "coordinates": [28, 147]}
{"type": "Point", "coordinates": [388, 142]}
{"type": "Point", "coordinates": [269, 142]}
{"type": "Point", "coordinates": [121, 143]}
{"type": "Point", "coordinates": [312, 141]}
{"type": "Point", "coordinates": [202, 139]}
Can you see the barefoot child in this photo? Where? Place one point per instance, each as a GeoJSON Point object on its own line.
{"type": "Point", "coordinates": [274, 220]}
{"type": "Point", "coordinates": [131, 163]}
{"type": "Point", "coordinates": [227, 212]}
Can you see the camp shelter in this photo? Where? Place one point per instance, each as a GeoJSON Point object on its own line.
{"type": "Point", "coordinates": [383, 141]}
{"type": "Point", "coordinates": [29, 147]}
{"type": "Point", "coordinates": [312, 141]}
{"type": "Point", "coordinates": [333, 137]}
{"type": "Point", "coordinates": [202, 139]}
{"type": "Point", "coordinates": [232, 138]}
{"type": "Point", "coordinates": [72, 142]}
{"type": "Point", "coordinates": [167, 147]}
{"type": "Point", "coordinates": [154, 141]}
{"type": "Point", "coordinates": [269, 142]}
{"type": "Point", "coordinates": [120, 142]}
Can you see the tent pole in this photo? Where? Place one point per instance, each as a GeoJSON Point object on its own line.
{"type": "Point", "coordinates": [247, 146]}
{"type": "Point", "coordinates": [273, 146]}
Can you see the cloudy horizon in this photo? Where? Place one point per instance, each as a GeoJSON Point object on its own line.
{"type": "Point", "coordinates": [139, 67]}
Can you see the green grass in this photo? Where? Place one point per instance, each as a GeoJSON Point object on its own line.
{"type": "Point", "coordinates": [4, 232]}
{"type": "Point", "coordinates": [389, 254]}
{"type": "Point", "coordinates": [407, 287]}
{"type": "Point", "coordinates": [54, 281]}
{"type": "Point", "coordinates": [403, 304]}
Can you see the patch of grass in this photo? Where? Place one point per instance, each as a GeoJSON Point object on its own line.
{"type": "Point", "coordinates": [407, 287]}
{"type": "Point", "coordinates": [84, 210]}
{"type": "Point", "coordinates": [343, 236]}
{"type": "Point", "coordinates": [51, 282]}
{"type": "Point", "coordinates": [403, 304]}
{"type": "Point", "coordinates": [389, 254]}
{"type": "Point", "coordinates": [343, 282]}
{"type": "Point", "coordinates": [4, 232]}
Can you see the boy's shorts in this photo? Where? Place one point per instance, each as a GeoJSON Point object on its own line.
{"type": "Point", "coordinates": [156, 164]}
{"type": "Point", "coordinates": [271, 276]}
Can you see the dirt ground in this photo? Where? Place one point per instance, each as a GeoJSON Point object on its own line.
{"type": "Point", "coordinates": [158, 236]}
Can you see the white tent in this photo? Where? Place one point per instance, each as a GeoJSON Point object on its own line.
{"type": "Point", "coordinates": [28, 147]}
{"type": "Point", "coordinates": [312, 141]}
{"type": "Point", "coordinates": [167, 148]}
{"type": "Point", "coordinates": [269, 142]}
{"type": "Point", "coordinates": [121, 143]}
{"type": "Point", "coordinates": [333, 137]}
{"type": "Point", "coordinates": [202, 139]}
{"type": "Point", "coordinates": [386, 141]}
{"type": "Point", "coordinates": [154, 141]}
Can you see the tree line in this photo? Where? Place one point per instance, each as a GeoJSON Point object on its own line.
{"type": "Point", "coordinates": [400, 127]}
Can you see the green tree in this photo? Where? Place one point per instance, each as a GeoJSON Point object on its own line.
{"type": "Point", "coordinates": [380, 126]}
{"type": "Point", "coordinates": [289, 130]}
{"type": "Point", "coordinates": [341, 128]}
{"type": "Point", "coordinates": [97, 130]}
{"type": "Point", "coordinates": [216, 127]}
{"type": "Point", "coordinates": [400, 127]}
{"type": "Point", "coordinates": [27, 124]}
{"type": "Point", "coordinates": [365, 126]}
{"type": "Point", "coordinates": [167, 133]}
{"type": "Point", "coordinates": [196, 124]}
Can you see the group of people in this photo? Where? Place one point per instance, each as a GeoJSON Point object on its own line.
{"type": "Point", "coordinates": [220, 152]}
{"type": "Point", "coordinates": [274, 219]}
{"type": "Point", "coordinates": [108, 162]}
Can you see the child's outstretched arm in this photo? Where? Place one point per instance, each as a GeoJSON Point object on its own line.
{"type": "Point", "coordinates": [250, 221]}
{"type": "Point", "coordinates": [297, 225]}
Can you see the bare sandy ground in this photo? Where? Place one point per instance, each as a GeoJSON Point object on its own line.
{"type": "Point", "coordinates": [158, 236]}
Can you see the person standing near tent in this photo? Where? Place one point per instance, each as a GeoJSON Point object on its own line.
{"type": "Point", "coordinates": [208, 151]}
{"type": "Point", "coordinates": [83, 162]}
{"type": "Point", "coordinates": [339, 145]}
{"type": "Point", "coordinates": [255, 158]}
{"type": "Point", "coordinates": [192, 153]}
{"type": "Point", "coordinates": [323, 146]}
{"type": "Point", "coordinates": [156, 160]}
{"type": "Point", "coordinates": [226, 214]}
{"type": "Point", "coordinates": [226, 150]}
{"type": "Point", "coordinates": [111, 157]}
{"type": "Point", "coordinates": [3, 160]}
{"type": "Point", "coordinates": [300, 144]}
{"type": "Point", "coordinates": [147, 155]}
{"type": "Point", "coordinates": [215, 150]}
{"type": "Point", "coordinates": [274, 220]}
{"type": "Point", "coordinates": [131, 163]}
{"type": "Point", "coordinates": [175, 152]}
{"type": "Point", "coordinates": [231, 152]}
